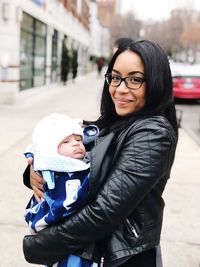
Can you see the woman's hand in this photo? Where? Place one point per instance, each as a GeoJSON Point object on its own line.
{"type": "Point", "coordinates": [36, 182]}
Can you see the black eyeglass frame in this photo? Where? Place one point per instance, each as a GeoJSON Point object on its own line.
{"type": "Point", "coordinates": [107, 75]}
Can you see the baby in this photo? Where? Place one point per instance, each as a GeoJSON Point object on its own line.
{"type": "Point", "coordinates": [58, 155]}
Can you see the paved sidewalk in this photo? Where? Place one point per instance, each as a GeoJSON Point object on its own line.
{"type": "Point", "coordinates": [181, 229]}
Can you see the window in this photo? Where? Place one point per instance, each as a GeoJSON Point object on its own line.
{"type": "Point", "coordinates": [32, 52]}
{"type": "Point", "coordinates": [54, 56]}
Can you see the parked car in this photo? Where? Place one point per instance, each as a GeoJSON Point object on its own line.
{"type": "Point", "coordinates": [186, 80]}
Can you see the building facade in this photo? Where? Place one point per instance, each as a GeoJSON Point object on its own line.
{"type": "Point", "coordinates": [43, 41]}
{"type": "Point", "coordinates": [99, 34]}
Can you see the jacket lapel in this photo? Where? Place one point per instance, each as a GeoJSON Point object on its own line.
{"type": "Point", "coordinates": [100, 163]}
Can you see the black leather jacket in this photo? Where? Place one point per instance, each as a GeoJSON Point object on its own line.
{"type": "Point", "coordinates": [125, 211]}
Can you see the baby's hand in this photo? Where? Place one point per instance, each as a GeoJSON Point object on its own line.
{"type": "Point", "coordinates": [30, 160]}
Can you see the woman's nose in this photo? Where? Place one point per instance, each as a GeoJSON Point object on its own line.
{"type": "Point", "coordinates": [122, 87]}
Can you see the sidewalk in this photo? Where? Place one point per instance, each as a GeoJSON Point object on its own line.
{"type": "Point", "coordinates": [181, 228]}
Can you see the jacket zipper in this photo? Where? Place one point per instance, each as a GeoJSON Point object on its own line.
{"type": "Point", "coordinates": [132, 228]}
{"type": "Point", "coordinates": [101, 262]}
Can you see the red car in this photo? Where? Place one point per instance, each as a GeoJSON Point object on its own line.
{"type": "Point", "coordinates": [186, 80]}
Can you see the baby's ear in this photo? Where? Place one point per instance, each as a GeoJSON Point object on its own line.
{"type": "Point", "coordinates": [79, 121]}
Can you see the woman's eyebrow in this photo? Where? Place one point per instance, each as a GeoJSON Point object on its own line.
{"type": "Point", "coordinates": [130, 73]}
{"type": "Point", "coordinates": [136, 72]}
{"type": "Point", "coordinates": [116, 71]}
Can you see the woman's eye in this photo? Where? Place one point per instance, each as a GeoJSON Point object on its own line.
{"type": "Point", "coordinates": [135, 79]}
{"type": "Point", "coordinates": [115, 78]}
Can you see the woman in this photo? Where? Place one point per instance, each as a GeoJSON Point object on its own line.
{"type": "Point", "coordinates": [130, 165]}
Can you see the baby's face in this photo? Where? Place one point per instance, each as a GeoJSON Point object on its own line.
{"type": "Point", "coordinates": [72, 146]}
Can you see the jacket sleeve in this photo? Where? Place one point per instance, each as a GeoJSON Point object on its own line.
{"type": "Point", "coordinates": [26, 177]}
{"type": "Point", "coordinates": [144, 159]}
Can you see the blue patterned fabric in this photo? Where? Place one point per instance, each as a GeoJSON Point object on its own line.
{"type": "Point", "coordinates": [74, 261]}
{"type": "Point", "coordinates": [90, 133]}
{"type": "Point", "coordinates": [68, 195]}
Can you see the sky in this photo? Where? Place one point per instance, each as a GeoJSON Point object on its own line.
{"type": "Point", "coordinates": [156, 9]}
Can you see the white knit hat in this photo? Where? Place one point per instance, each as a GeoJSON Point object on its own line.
{"type": "Point", "coordinates": [51, 130]}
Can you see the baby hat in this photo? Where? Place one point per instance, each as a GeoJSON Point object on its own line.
{"type": "Point", "coordinates": [51, 130]}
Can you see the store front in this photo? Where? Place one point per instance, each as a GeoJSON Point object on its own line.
{"type": "Point", "coordinates": [32, 52]}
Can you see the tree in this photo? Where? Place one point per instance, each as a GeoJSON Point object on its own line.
{"type": "Point", "coordinates": [191, 40]}
{"type": "Point", "coordinates": [166, 33]}
{"type": "Point", "coordinates": [124, 26]}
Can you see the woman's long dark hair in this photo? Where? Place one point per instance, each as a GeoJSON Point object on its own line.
{"type": "Point", "coordinates": [159, 88]}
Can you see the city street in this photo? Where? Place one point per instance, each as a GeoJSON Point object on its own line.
{"type": "Point", "coordinates": [190, 110]}
{"type": "Point", "coordinates": [181, 228]}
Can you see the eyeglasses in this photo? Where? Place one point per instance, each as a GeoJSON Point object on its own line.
{"type": "Point", "coordinates": [133, 82]}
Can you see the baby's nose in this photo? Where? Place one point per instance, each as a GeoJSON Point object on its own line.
{"type": "Point", "coordinates": [75, 142]}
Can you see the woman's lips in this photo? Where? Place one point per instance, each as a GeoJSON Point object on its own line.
{"type": "Point", "coordinates": [122, 101]}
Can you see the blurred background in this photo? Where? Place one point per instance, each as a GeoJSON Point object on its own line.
{"type": "Point", "coordinates": [42, 41]}
{"type": "Point", "coordinates": [53, 54]}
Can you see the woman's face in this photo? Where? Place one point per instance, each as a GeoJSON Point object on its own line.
{"type": "Point", "coordinates": [126, 100]}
